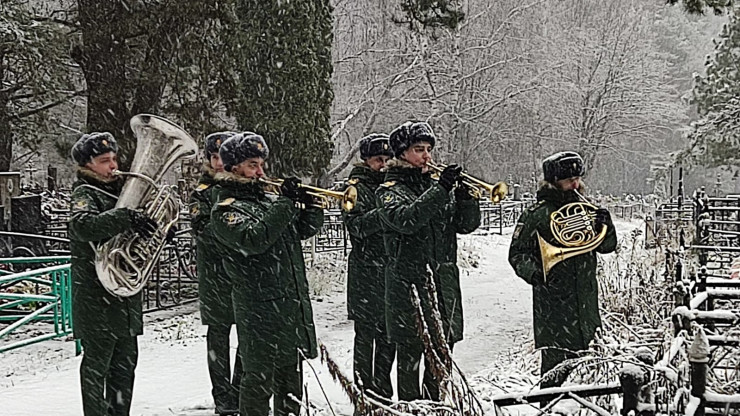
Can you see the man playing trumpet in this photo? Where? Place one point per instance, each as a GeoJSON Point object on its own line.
{"type": "Point", "coordinates": [421, 218]}
{"type": "Point", "coordinates": [373, 354]}
{"type": "Point", "coordinates": [214, 286]}
{"type": "Point", "coordinates": [262, 234]}
{"type": "Point", "coordinates": [565, 298]}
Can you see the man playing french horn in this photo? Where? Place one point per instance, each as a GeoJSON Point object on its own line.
{"type": "Point", "coordinates": [107, 325]}
{"type": "Point", "coordinates": [262, 234]}
{"type": "Point", "coordinates": [554, 248]}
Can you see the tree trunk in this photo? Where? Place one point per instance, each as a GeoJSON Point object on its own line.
{"type": "Point", "coordinates": [6, 138]}
{"type": "Point", "coordinates": [284, 70]}
{"type": "Point", "coordinates": [102, 58]}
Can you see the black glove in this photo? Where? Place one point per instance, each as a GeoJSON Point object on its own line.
{"type": "Point", "coordinates": [291, 188]}
{"type": "Point", "coordinates": [602, 218]}
{"type": "Point", "coordinates": [142, 224]}
{"type": "Point", "coordinates": [462, 192]}
{"type": "Point", "coordinates": [450, 176]}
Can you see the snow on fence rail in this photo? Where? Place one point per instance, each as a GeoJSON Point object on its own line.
{"type": "Point", "coordinates": [38, 295]}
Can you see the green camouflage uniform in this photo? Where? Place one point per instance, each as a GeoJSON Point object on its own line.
{"type": "Point", "coordinates": [373, 354]}
{"type": "Point", "coordinates": [273, 312]}
{"type": "Point", "coordinates": [107, 325]}
{"type": "Point", "coordinates": [421, 221]}
{"type": "Point", "coordinates": [566, 307]}
{"type": "Point", "coordinates": [214, 291]}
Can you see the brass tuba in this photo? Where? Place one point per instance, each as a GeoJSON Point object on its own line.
{"type": "Point", "coordinates": [125, 262]}
{"type": "Point", "coordinates": [573, 227]}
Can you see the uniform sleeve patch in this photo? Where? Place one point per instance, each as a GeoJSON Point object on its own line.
{"type": "Point", "coordinates": [233, 218]}
{"type": "Point", "coordinates": [517, 231]}
{"type": "Point", "coordinates": [194, 209]}
{"type": "Point", "coordinates": [226, 202]}
{"type": "Point", "coordinates": [389, 198]}
{"type": "Point", "coordinates": [81, 205]}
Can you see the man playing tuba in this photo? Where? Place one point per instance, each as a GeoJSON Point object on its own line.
{"type": "Point", "coordinates": [106, 324]}
{"type": "Point", "coordinates": [566, 299]}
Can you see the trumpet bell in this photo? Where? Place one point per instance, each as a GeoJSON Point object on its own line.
{"type": "Point", "coordinates": [498, 192]}
{"type": "Point", "coordinates": [349, 198]}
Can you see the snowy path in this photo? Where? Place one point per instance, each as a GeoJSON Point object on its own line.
{"type": "Point", "coordinates": [171, 377]}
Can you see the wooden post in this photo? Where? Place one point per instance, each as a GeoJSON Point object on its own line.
{"type": "Point", "coordinates": [699, 359]}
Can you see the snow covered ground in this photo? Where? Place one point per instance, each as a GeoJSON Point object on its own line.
{"type": "Point", "coordinates": [172, 379]}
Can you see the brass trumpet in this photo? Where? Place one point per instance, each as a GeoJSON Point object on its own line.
{"type": "Point", "coordinates": [497, 191]}
{"type": "Point", "coordinates": [573, 227]}
{"type": "Point", "coordinates": [322, 197]}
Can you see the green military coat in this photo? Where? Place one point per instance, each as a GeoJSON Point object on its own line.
{"type": "Point", "coordinates": [366, 263]}
{"type": "Point", "coordinates": [566, 307]}
{"type": "Point", "coordinates": [264, 260]}
{"type": "Point", "coordinates": [94, 220]}
{"type": "Point", "coordinates": [421, 221]}
{"type": "Point", "coordinates": [214, 286]}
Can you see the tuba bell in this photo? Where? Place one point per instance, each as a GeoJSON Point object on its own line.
{"type": "Point", "coordinates": [125, 262]}
{"type": "Point", "coordinates": [573, 227]}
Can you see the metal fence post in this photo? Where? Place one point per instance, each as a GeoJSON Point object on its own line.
{"type": "Point", "coordinates": [699, 359]}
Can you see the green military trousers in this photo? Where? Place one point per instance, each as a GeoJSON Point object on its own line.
{"type": "Point", "coordinates": [260, 382]}
{"type": "Point", "coordinates": [225, 385]}
{"type": "Point", "coordinates": [373, 358]}
{"type": "Point", "coordinates": [409, 356]}
{"type": "Point", "coordinates": [107, 374]}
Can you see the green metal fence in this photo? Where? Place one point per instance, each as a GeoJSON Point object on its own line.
{"type": "Point", "coordinates": [50, 302]}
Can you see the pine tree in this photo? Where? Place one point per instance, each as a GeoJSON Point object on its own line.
{"type": "Point", "coordinates": [715, 138]}
{"type": "Point", "coordinates": [697, 6]}
{"type": "Point", "coordinates": [432, 13]}
{"type": "Point", "coordinates": [283, 69]}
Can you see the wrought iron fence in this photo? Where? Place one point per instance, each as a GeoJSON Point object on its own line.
{"type": "Point", "coordinates": [496, 217]}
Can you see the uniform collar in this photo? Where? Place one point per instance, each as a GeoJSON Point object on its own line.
{"type": "Point", "coordinates": [402, 171]}
{"type": "Point", "coordinates": [208, 174]}
{"type": "Point", "coordinates": [548, 192]}
{"type": "Point", "coordinates": [363, 172]}
{"type": "Point", "coordinates": [88, 177]}
{"type": "Point", "coordinates": [239, 185]}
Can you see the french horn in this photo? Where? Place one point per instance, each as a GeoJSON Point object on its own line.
{"type": "Point", "coordinates": [574, 228]}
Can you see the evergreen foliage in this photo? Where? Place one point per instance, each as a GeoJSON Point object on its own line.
{"type": "Point", "coordinates": [715, 138]}
{"type": "Point", "coordinates": [282, 67]}
{"type": "Point", "coordinates": [433, 13]}
{"type": "Point", "coordinates": [697, 6]}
